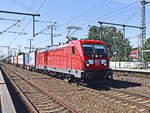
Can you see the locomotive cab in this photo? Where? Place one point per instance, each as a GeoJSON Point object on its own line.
{"type": "Point", "coordinates": [96, 65]}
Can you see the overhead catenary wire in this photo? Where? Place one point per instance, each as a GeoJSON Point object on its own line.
{"type": "Point", "coordinates": [41, 42]}
{"type": "Point", "coordinates": [34, 2]}
{"type": "Point", "coordinates": [7, 19]}
{"type": "Point", "coordinates": [10, 27]}
{"type": "Point", "coordinates": [17, 27]}
{"type": "Point", "coordinates": [111, 13]}
{"type": "Point", "coordinates": [130, 17]}
{"type": "Point", "coordinates": [42, 4]}
{"type": "Point", "coordinates": [22, 21]}
{"type": "Point", "coordinates": [22, 5]}
{"type": "Point", "coordinates": [116, 17]}
{"type": "Point", "coordinates": [93, 8]}
{"type": "Point", "coordinates": [105, 15]}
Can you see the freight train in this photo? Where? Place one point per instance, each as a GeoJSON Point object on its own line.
{"type": "Point", "coordinates": [78, 60]}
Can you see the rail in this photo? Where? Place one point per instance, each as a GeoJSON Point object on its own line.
{"type": "Point", "coordinates": [43, 91]}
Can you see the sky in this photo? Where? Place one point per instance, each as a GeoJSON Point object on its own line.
{"type": "Point", "coordinates": [65, 13]}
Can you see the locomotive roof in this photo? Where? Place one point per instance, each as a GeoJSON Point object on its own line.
{"type": "Point", "coordinates": [53, 47]}
{"type": "Point", "coordinates": [75, 42]}
{"type": "Point", "coordinates": [88, 42]}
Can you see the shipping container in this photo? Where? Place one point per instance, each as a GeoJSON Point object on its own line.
{"type": "Point", "coordinates": [26, 58]}
{"type": "Point", "coordinates": [32, 60]}
{"type": "Point", "coordinates": [21, 59]}
{"type": "Point", "coordinates": [12, 60]}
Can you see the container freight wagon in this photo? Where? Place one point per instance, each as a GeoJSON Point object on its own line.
{"type": "Point", "coordinates": [21, 61]}
{"type": "Point", "coordinates": [16, 60]}
{"type": "Point", "coordinates": [26, 60]}
{"type": "Point", "coordinates": [12, 60]}
{"type": "Point", "coordinates": [31, 65]}
{"type": "Point", "coordinates": [81, 59]}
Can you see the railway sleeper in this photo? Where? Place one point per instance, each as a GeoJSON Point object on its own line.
{"type": "Point", "coordinates": [61, 109]}
{"type": "Point", "coordinates": [55, 108]}
{"type": "Point", "coordinates": [50, 107]}
{"type": "Point", "coordinates": [43, 102]}
{"type": "Point", "coordinates": [46, 104]}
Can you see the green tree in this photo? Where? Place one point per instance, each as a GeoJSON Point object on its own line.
{"type": "Point", "coordinates": [147, 47]}
{"type": "Point", "coordinates": [147, 44]}
{"type": "Point", "coordinates": [113, 38]}
{"type": "Point", "coordinates": [20, 53]}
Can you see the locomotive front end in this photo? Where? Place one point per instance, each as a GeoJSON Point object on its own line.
{"type": "Point", "coordinates": [96, 61]}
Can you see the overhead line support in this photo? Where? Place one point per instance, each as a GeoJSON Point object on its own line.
{"type": "Point", "coordinates": [26, 14]}
{"type": "Point", "coordinates": [10, 27]}
{"type": "Point", "coordinates": [143, 25]}
{"type": "Point", "coordinates": [33, 26]}
{"type": "Point", "coordinates": [19, 13]}
{"type": "Point", "coordinates": [30, 45]}
{"type": "Point", "coordinates": [123, 25]}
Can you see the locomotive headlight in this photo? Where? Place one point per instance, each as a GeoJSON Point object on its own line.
{"type": "Point", "coordinates": [87, 65]}
{"type": "Point", "coordinates": [88, 62]}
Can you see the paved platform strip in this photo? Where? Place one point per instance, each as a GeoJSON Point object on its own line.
{"type": "Point", "coordinates": [133, 70]}
{"type": "Point", "coordinates": [6, 104]}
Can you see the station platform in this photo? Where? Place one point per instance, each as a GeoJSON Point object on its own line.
{"type": "Point", "coordinates": [132, 70]}
{"type": "Point", "coordinates": [6, 104]}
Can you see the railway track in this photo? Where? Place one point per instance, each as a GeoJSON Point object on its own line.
{"type": "Point", "coordinates": [86, 99]}
{"type": "Point", "coordinates": [132, 73]}
{"type": "Point", "coordinates": [136, 100]}
{"type": "Point", "coordinates": [37, 99]}
{"type": "Point", "coordinates": [143, 80]}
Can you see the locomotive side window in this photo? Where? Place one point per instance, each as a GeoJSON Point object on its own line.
{"type": "Point", "coordinates": [73, 50]}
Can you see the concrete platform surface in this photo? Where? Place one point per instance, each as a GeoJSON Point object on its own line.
{"type": "Point", "coordinates": [133, 70]}
{"type": "Point", "coordinates": [6, 104]}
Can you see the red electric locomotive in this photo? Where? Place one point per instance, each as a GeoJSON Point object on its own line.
{"type": "Point", "coordinates": [82, 59]}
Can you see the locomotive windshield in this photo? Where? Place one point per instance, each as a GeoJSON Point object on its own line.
{"type": "Point", "coordinates": [88, 50]}
{"type": "Point", "coordinates": [94, 50]}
